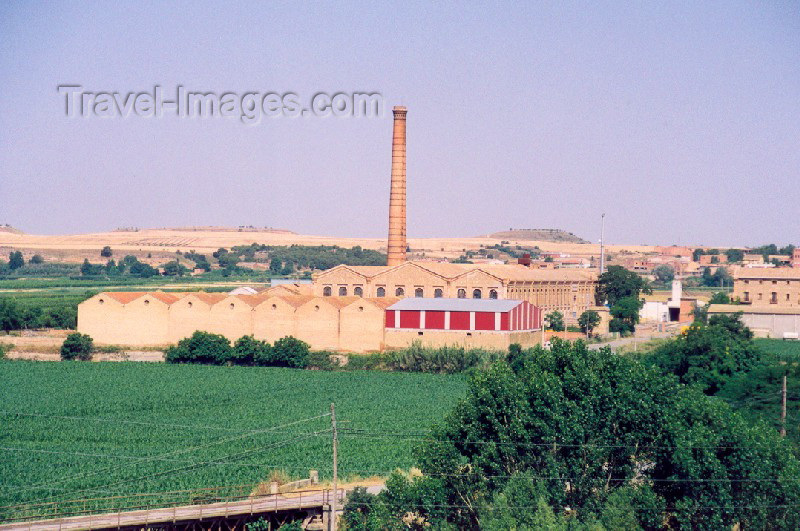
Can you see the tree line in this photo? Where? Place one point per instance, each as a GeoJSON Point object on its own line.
{"type": "Point", "coordinates": [571, 438]}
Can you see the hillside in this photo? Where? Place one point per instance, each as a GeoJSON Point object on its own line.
{"type": "Point", "coordinates": [10, 230]}
{"type": "Point", "coordinates": [544, 235]}
{"type": "Point", "coordinates": [161, 244]}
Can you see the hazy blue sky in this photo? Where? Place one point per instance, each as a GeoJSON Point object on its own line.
{"type": "Point", "coordinates": [680, 120]}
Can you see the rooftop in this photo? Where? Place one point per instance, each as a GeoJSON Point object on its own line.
{"type": "Point", "coordinates": [456, 305]}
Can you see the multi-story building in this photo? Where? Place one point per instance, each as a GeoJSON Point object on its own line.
{"type": "Point", "coordinates": [779, 286]}
{"type": "Point", "coordinates": [569, 291]}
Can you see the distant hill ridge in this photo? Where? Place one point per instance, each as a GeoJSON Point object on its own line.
{"type": "Point", "coordinates": [546, 235]}
{"type": "Point", "coordinates": [248, 228]}
{"type": "Point", "coordinates": [8, 228]}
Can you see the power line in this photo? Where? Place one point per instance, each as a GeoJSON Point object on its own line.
{"type": "Point", "coordinates": [105, 487]}
{"type": "Point", "coordinates": [641, 507]}
{"type": "Point", "coordinates": [428, 438]}
{"type": "Point", "coordinates": [642, 479]}
{"type": "Point", "coordinates": [121, 421]}
{"type": "Point", "coordinates": [136, 458]}
{"type": "Point", "coordinates": [168, 454]}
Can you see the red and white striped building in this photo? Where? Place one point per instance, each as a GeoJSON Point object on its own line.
{"type": "Point", "coordinates": [485, 315]}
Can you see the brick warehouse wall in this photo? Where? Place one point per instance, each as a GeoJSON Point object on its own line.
{"type": "Point", "coordinates": [331, 323]}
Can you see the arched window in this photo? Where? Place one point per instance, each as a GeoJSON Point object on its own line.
{"type": "Point", "coordinates": [419, 293]}
{"type": "Point", "coordinates": [493, 294]}
{"type": "Point", "coordinates": [381, 292]}
{"type": "Point", "coordinates": [326, 291]}
{"type": "Point", "coordinates": [437, 293]}
{"type": "Point", "coordinates": [399, 292]}
{"type": "Point", "coordinates": [462, 293]}
{"type": "Point", "coordinates": [342, 291]}
{"type": "Point", "coordinates": [358, 291]}
{"type": "Point", "coordinates": [476, 294]}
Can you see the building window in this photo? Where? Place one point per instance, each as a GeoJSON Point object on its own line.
{"type": "Point", "coordinates": [146, 302]}
{"type": "Point", "coordinates": [358, 291]}
{"type": "Point", "coordinates": [419, 293]}
{"type": "Point", "coordinates": [476, 294]}
{"type": "Point", "coordinates": [326, 291]}
{"type": "Point", "coordinates": [787, 297]}
{"type": "Point", "coordinates": [274, 306]}
{"type": "Point", "coordinates": [232, 306]}
{"type": "Point", "coordinates": [437, 293]}
{"type": "Point", "coordinates": [492, 293]}
{"type": "Point", "coordinates": [342, 291]}
{"type": "Point", "coordinates": [462, 293]}
{"type": "Point", "coordinates": [399, 292]}
{"type": "Point", "coordinates": [760, 296]}
{"type": "Point", "coordinates": [381, 292]}
{"type": "Point", "coordinates": [101, 301]}
{"type": "Point", "coordinates": [747, 296]}
{"type": "Point", "coordinates": [774, 298]}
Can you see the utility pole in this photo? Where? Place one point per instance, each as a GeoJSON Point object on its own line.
{"type": "Point", "coordinates": [335, 467]}
{"type": "Point", "coordinates": [783, 407]}
{"type": "Point", "coordinates": [602, 248]}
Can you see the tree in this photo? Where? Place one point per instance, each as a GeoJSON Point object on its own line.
{"type": "Point", "coordinates": [588, 321]}
{"type": "Point", "coordinates": [143, 270]}
{"type": "Point", "coordinates": [106, 252]}
{"type": "Point", "coordinates": [77, 347]}
{"type": "Point", "coordinates": [601, 435]}
{"type": "Point", "coordinates": [617, 283]}
{"type": "Point", "coordinates": [15, 260]}
{"type": "Point", "coordinates": [720, 297]}
{"type": "Point", "coordinates": [555, 321]}
{"type": "Point", "coordinates": [664, 273]}
{"type": "Point", "coordinates": [174, 269]}
{"type": "Point", "coordinates": [708, 356]}
{"type": "Point", "coordinates": [275, 266]}
{"type": "Point", "coordinates": [88, 269]}
{"type": "Point", "coordinates": [201, 347]}
{"type": "Point", "coordinates": [37, 259]}
{"type": "Point", "coordinates": [290, 352]}
{"type": "Point", "coordinates": [10, 315]}
{"type": "Point", "coordinates": [250, 351]}
{"type": "Point", "coordinates": [734, 255]}
{"type": "Point", "coordinates": [625, 315]}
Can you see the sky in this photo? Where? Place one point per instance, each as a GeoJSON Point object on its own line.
{"type": "Point", "coordinates": [678, 120]}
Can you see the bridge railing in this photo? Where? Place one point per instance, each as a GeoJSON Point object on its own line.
{"type": "Point", "coordinates": [210, 496]}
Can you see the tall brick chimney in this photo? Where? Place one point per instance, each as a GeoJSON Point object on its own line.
{"type": "Point", "coordinates": [397, 196]}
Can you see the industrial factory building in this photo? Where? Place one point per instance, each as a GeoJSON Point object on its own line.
{"type": "Point", "coordinates": [347, 307]}
{"type": "Point", "coordinates": [352, 324]}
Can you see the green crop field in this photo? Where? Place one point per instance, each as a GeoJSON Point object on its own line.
{"type": "Point", "coordinates": [780, 348]}
{"type": "Point", "coordinates": [95, 430]}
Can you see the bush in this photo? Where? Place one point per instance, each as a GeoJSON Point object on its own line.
{"type": "Point", "coordinates": [250, 351]}
{"type": "Point", "coordinates": [321, 359]}
{"type": "Point", "coordinates": [77, 347]}
{"type": "Point", "coordinates": [290, 352]}
{"type": "Point", "coordinates": [201, 347]}
{"type": "Point", "coordinates": [418, 358]}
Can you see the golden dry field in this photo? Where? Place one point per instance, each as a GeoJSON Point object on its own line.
{"type": "Point", "coordinates": [161, 243]}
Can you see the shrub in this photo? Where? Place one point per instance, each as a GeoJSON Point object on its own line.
{"type": "Point", "coordinates": [77, 346]}
{"type": "Point", "coordinates": [290, 352]}
{"type": "Point", "coordinates": [448, 359]}
{"type": "Point", "coordinates": [368, 362]}
{"type": "Point", "coordinates": [250, 351]}
{"type": "Point", "coordinates": [201, 347]}
{"type": "Point", "coordinates": [321, 359]}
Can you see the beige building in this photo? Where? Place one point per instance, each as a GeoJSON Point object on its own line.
{"type": "Point", "coordinates": [774, 286]}
{"type": "Point", "coordinates": [568, 291]}
{"type": "Point", "coordinates": [764, 320]}
{"type": "Point", "coordinates": [352, 324]}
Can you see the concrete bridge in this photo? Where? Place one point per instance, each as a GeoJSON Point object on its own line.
{"type": "Point", "coordinates": [312, 507]}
